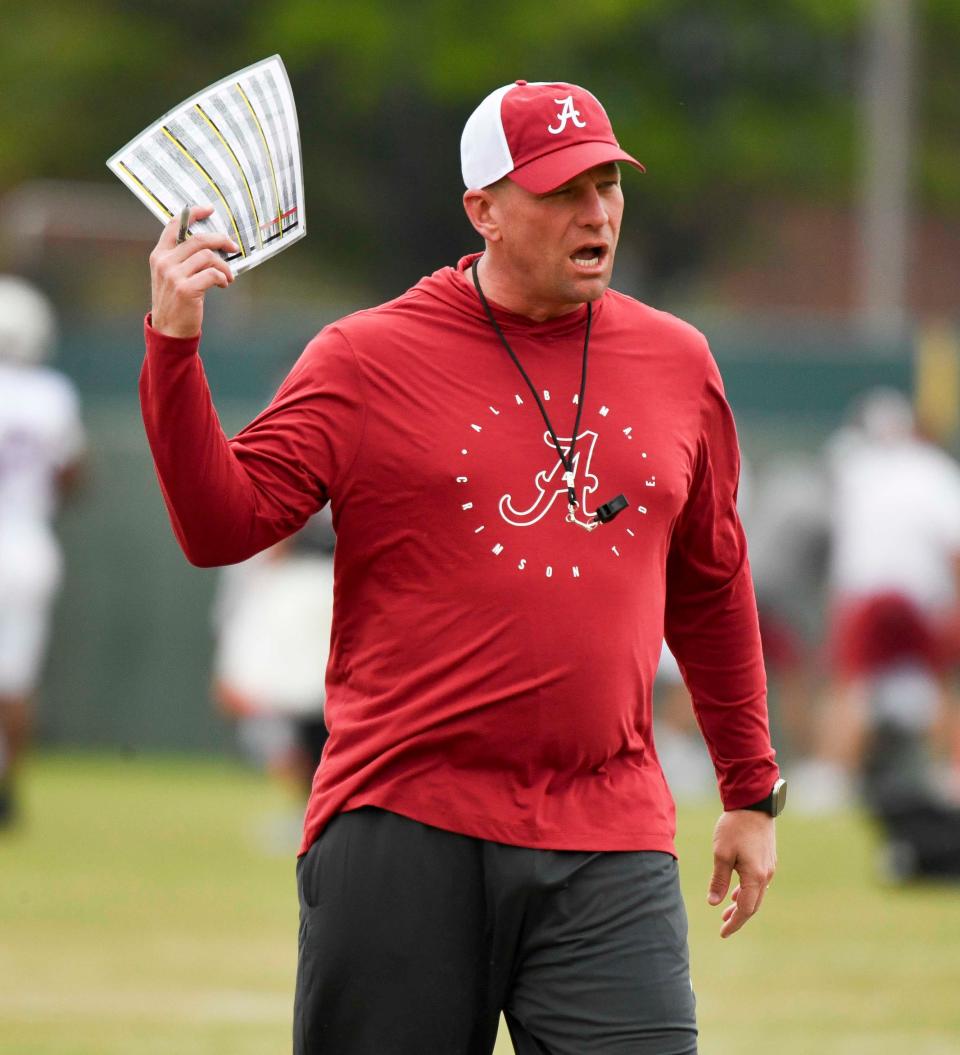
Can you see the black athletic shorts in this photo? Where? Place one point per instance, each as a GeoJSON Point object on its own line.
{"type": "Point", "coordinates": [414, 939]}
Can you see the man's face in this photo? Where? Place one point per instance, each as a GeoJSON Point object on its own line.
{"type": "Point", "coordinates": [558, 248]}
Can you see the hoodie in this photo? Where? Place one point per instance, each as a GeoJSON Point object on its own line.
{"type": "Point", "coordinates": [491, 664]}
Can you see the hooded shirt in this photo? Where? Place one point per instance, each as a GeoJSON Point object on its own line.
{"type": "Point", "coordinates": [491, 664]}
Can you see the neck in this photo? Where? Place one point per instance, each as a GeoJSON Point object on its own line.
{"type": "Point", "coordinates": [507, 292]}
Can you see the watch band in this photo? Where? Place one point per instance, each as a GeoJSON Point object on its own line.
{"type": "Point", "coordinates": [773, 803]}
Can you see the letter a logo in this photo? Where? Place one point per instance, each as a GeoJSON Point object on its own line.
{"type": "Point", "coordinates": [567, 113]}
{"type": "Point", "coordinates": [550, 485]}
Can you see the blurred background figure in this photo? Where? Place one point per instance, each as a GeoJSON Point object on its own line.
{"type": "Point", "coordinates": [784, 511]}
{"type": "Point", "coordinates": [272, 616]}
{"type": "Point", "coordinates": [41, 449]}
{"type": "Point", "coordinates": [887, 726]}
{"type": "Point", "coordinates": [785, 514]}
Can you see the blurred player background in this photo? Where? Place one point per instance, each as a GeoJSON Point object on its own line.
{"type": "Point", "coordinates": [272, 616]}
{"type": "Point", "coordinates": [41, 449]}
{"type": "Point", "coordinates": [801, 206]}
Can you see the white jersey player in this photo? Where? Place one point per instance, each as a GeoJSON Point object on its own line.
{"type": "Point", "coordinates": [41, 445]}
{"type": "Point", "coordinates": [272, 616]}
{"type": "Point", "coordinates": [896, 510]}
{"type": "Point", "coordinates": [893, 585]}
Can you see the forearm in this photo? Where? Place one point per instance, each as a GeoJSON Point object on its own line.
{"type": "Point", "coordinates": [715, 637]}
{"type": "Point", "coordinates": [216, 509]}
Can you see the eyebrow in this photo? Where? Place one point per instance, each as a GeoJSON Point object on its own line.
{"type": "Point", "coordinates": [607, 171]}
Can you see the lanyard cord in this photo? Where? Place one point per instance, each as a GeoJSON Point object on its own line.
{"type": "Point", "coordinates": [565, 460]}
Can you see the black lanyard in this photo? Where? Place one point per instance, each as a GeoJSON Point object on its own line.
{"type": "Point", "coordinates": [610, 509]}
{"type": "Point", "coordinates": [566, 460]}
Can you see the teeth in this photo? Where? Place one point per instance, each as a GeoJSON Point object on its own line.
{"type": "Point", "coordinates": [589, 262]}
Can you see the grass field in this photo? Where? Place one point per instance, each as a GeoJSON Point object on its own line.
{"type": "Point", "coordinates": [146, 906]}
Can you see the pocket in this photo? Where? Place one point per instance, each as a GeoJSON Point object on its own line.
{"type": "Point", "coordinates": [308, 877]}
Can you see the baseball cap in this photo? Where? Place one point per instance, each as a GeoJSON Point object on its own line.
{"type": "Point", "coordinates": [539, 134]}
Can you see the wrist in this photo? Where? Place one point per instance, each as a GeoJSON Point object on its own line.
{"type": "Point", "coordinates": [167, 328]}
{"type": "Point", "coordinates": [773, 803]}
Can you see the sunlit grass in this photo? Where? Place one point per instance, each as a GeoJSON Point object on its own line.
{"type": "Point", "coordinates": [149, 906]}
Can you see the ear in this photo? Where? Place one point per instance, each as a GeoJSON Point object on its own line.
{"type": "Point", "coordinates": [482, 211]}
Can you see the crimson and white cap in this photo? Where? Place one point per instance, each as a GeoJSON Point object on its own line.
{"type": "Point", "coordinates": [540, 135]}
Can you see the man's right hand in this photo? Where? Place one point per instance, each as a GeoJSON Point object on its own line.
{"type": "Point", "coordinates": [182, 274]}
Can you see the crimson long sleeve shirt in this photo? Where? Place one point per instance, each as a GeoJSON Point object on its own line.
{"type": "Point", "coordinates": [491, 664]}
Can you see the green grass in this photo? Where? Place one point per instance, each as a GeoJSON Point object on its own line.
{"type": "Point", "coordinates": [143, 910]}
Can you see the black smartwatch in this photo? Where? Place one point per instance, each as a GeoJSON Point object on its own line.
{"type": "Point", "coordinates": [772, 803]}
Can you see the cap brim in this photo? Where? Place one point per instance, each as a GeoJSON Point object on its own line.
{"type": "Point", "coordinates": [553, 170]}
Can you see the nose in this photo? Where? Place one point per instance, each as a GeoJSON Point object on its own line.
{"type": "Point", "coordinates": [593, 209]}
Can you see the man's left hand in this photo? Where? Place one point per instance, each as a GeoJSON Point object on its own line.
{"type": "Point", "coordinates": [745, 842]}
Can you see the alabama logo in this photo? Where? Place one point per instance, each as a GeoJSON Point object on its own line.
{"type": "Point", "coordinates": [529, 500]}
{"type": "Point", "coordinates": [568, 112]}
{"type": "Point", "coordinates": [549, 486]}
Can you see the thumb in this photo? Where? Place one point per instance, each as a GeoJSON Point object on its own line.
{"type": "Point", "coordinates": [719, 881]}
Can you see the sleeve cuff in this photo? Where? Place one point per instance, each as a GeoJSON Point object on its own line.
{"type": "Point", "coordinates": [169, 345]}
{"type": "Point", "coordinates": [744, 792]}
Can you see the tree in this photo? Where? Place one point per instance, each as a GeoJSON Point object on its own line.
{"type": "Point", "coordinates": [724, 102]}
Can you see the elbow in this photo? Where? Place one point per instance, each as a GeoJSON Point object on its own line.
{"type": "Point", "coordinates": [199, 559]}
{"type": "Point", "coordinates": [206, 544]}
{"type": "Point", "coordinates": [218, 553]}
{"type": "Point", "coordinates": [207, 554]}
{"type": "Point", "coordinates": [212, 543]}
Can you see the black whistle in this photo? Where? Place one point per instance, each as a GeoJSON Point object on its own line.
{"type": "Point", "coordinates": [610, 509]}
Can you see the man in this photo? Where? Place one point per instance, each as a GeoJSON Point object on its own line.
{"type": "Point", "coordinates": [41, 449]}
{"type": "Point", "coordinates": [489, 827]}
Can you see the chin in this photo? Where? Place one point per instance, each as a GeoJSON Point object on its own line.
{"type": "Point", "coordinates": [593, 288]}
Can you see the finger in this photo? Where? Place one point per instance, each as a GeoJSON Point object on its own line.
{"type": "Point", "coordinates": [205, 240]}
{"type": "Point", "coordinates": [213, 238]}
{"type": "Point", "coordinates": [744, 907]}
{"type": "Point", "coordinates": [719, 881]}
{"type": "Point", "coordinates": [201, 261]}
{"type": "Point", "coordinates": [733, 917]}
{"type": "Point", "coordinates": [199, 283]}
{"type": "Point", "coordinates": [168, 239]}
{"type": "Point", "coordinates": [734, 921]}
{"type": "Point", "coordinates": [732, 907]}
{"type": "Point", "coordinates": [749, 897]}
{"type": "Point", "coordinates": [735, 896]}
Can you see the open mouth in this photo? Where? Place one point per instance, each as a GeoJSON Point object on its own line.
{"type": "Point", "coordinates": [589, 257]}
